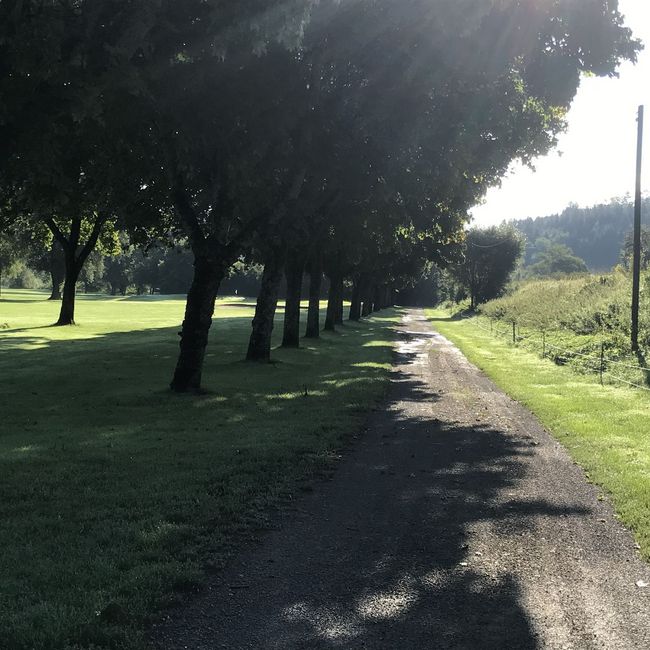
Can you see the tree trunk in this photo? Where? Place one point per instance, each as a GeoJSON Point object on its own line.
{"type": "Point", "coordinates": [376, 299]}
{"type": "Point", "coordinates": [72, 270]}
{"type": "Point", "coordinates": [66, 313]}
{"type": "Point", "coordinates": [75, 257]}
{"type": "Point", "coordinates": [366, 308]}
{"type": "Point", "coordinates": [199, 308]}
{"type": "Point", "coordinates": [313, 314]}
{"type": "Point", "coordinates": [339, 302]}
{"type": "Point", "coordinates": [57, 271]}
{"type": "Point", "coordinates": [333, 304]}
{"type": "Point", "coordinates": [388, 300]}
{"type": "Point", "coordinates": [259, 344]}
{"type": "Point", "coordinates": [355, 304]}
{"type": "Point", "coordinates": [294, 269]}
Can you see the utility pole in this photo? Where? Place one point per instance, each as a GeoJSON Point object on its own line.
{"type": "Point", "coordinates": [636, 264]}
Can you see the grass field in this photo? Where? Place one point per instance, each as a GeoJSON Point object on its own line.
{"type": "Point", "coordinates": [118, 496]}
{"type": "Point", "coordinates": [606, 429]}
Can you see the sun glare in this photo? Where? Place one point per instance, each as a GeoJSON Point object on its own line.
{"type": "Point", "coordinates": [595, 159]}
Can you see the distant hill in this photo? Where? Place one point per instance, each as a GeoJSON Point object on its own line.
{"type": "Point", "coordinates": [595, 234]}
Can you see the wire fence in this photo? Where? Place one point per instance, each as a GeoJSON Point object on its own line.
{"type": "Point", "coordinates": [598, 364]}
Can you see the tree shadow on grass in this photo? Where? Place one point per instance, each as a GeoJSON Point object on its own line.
{"type": "Point", "coordinates": [19, 330]}
{"type": "Point", "coordinates": [382, 557]}
{"type": "Point", "coordinates": [26, 301]}
{"type": "Point", "coordinates": [92, 442]}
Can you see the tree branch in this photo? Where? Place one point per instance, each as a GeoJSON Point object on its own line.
{"type": "Point", "coordinates": [56, 232]}
{"type": "Point", "coordinates": [89, 246]}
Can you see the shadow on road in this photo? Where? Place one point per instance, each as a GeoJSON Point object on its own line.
{"type": "Point", "coordinates": [382, 556]}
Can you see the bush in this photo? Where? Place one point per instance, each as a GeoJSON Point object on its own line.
{"type": "Point", "coordinates": [22, 277]}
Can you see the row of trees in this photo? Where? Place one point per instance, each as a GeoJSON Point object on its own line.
{"type": "Point", "coordinates": [493, 255]}
{"type": "Point", "coordinates": [345, 138]}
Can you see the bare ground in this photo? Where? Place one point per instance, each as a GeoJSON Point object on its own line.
{"type": "Point", "coordinates": [455, 522]}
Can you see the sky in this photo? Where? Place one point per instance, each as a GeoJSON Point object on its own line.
{"type": "Point", "coordinates": [596, 158]}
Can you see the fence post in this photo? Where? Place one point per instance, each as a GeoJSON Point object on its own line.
{"type": "Point", "coordinates": [491, 324]}
{"type": "Point", "coordinates": [544, 345]}
{"type": "Point", "coordinates": [514, 333]}
{"type": "Point", "coordinates": [602, 361]}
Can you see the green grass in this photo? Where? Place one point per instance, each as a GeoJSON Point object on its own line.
{"type": "Point", "coordinates": [579, 314]}
{"type": "Point", "coordinates": [118, 496]}
{"type": "Point", "coordinates": [606, 429]}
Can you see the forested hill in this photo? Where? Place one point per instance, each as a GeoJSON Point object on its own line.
{"type": "Point", "coordinates": [595, 234]}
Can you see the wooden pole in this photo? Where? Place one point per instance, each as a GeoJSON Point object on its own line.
{"type": "Point", "coordinates": [636, 264]}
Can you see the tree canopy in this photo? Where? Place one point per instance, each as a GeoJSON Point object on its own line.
{"type": "Point", "coordinates": [489, 258]}
{"type": "Point", "coordinates": [352, 136]}
{"type": "Point", "coordinates": [552, 259]}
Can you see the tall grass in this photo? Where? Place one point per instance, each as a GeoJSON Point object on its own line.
{"type": "Point", "coordinates": [579, 315]}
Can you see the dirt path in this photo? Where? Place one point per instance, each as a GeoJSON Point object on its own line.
{"type": "Point", "coordinates": [456, 522]}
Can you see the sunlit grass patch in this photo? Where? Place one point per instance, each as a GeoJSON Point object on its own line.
{"type": "Point", "coordinates": [605, 428]}
{"type": "Point", "coordinates": [116, 493]}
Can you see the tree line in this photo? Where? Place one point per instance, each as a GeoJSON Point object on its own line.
{"type": "Point", "coordinates": [345, 139]}
{"type": "Point", "coordinates": [596, 234]}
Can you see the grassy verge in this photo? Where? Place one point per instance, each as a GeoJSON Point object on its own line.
{"type": "Point", "coordinates": [117, 496]}
{"type": "Point", "coordinates": [582, 317]}
{"type": "Point", "coordinates": [606, 429]}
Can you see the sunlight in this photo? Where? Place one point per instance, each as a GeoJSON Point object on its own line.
{"type": "Point", "coordinates": [327, 623]}
{"type": "Point", "coordinates": [26, 449]}
{"type": "Point", "coordinates": [595, 158]}
{"type": "Point", "coordinates": [388, 604]}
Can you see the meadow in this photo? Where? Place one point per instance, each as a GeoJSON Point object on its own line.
{"type": "Point", "coordinates": [604, 428]}
{"type": "Point", "coordinates": [573, 320]}
{"type": "Point", "coordinates": [119, 497]}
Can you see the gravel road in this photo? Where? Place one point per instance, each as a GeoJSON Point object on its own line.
{"type": "Point", "coordinates": [456, 521]}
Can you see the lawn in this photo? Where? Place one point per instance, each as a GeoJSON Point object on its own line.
{"type": "Point", "coordinates": [605, 429]}
{"type": "Point", "coordinates": [119, 496]}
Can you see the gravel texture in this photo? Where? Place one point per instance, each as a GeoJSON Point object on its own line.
{"type": "Point", "coordinates": [456, 521]}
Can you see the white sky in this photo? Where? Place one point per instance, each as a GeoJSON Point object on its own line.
{"type": "Point", "coordinates": [598, 151]}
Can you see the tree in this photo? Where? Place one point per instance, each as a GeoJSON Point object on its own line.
{"type": "Point", "coordinates": [552, 258]}
{"type": "Point", "coordinates": [514, 101]}
{"type": "Point", "coordinates": [490, 257]}
{"type": "Point", "coordinates": [628, 249]}
{"type": "Point", "coordinates": [595, 234]}
{"type": "Point", "coordinates": [218, 113]}
{"type": "Point", "coordinates": [8, 255]}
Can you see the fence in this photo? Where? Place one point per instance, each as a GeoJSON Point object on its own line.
{"type": "Point", "coordinates": [600, 364]}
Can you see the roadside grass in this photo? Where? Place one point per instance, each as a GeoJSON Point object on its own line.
{"type": "Point", "coordinates": [580, 315]}
{"type": "Point", "coordinates": [605, 429]}
{"type": "Point", "coordinates": [117, 495]}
